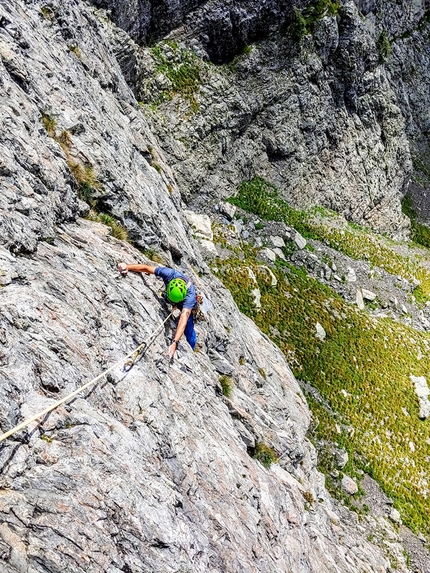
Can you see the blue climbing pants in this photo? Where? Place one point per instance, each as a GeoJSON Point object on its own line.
{"type": "Point", "coordinates": [190, 333]}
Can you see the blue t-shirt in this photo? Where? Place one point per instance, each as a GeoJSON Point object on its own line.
{"type": "Point", "coordinates": [168, 274]}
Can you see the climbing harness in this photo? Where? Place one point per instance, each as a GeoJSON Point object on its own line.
{"type": "Point", "coordinates": [134, 354]}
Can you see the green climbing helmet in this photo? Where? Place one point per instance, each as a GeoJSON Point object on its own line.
{"type": "Point", "coordinates": [176, 290]}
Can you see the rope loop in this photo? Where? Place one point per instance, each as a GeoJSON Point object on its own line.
{"type": "Point", "coordinates": [136, 352]}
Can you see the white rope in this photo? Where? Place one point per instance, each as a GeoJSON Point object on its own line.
{"type": "Point", "coordinates": [76, 392]}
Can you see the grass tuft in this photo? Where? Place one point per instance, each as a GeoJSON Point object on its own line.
{"type": "Point", "coordinates": [50, 124]}
{"type": "Point", "coordinates": [153, 255]}
{"type": "Point", "coordinates": [181, 68]}
{"type": "Point", "coordinates": [75, 49]}
{"type": "Point", "coordinates": [384, 46]}
{"type": "Point", "coordinates": [304, 20]}
{"type": "Point", "coordinates": [264, 454]}
{"type": "Point", "coordinates": [227, 385]}
{"type": "Point", "coordinates": [118, 231]}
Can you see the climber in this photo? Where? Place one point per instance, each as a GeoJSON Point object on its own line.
{"type": "Point", "coordinates": [180, 292]}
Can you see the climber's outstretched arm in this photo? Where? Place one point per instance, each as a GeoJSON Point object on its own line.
{"type": "Point", "coordinates": [124, 268]}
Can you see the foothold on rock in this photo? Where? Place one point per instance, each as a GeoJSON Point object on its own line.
{"type": "Point", "coordinates": [220, 364]}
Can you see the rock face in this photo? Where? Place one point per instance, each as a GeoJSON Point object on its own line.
{"type": "Point", "coordinates": [318, 118]}
{"type": "Point", "coordinates": [223, 28]}
{"type": "Point", "coordinates": [294, 113]}
{"type": "Point", "coordinates": [151, 470]}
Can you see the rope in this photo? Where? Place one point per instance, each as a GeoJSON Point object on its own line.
{"type": "Point", "coordinates": [133, 353]}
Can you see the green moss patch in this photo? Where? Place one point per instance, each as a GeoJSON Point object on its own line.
{"type": "Point", "coordinates": [304, 20]}
{"type": "Point", "coordinates": [362, 369]}
{"type": "Point", "coordinates": [262, 198]}
{"type": "Point", "coordinates": [182, 68]}
{"type": "Point", "coordinates": [264, 454]}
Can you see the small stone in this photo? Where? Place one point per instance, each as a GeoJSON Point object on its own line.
{"type": "Point", "coordinates": [257, 298]}
{"type": "Point", "coordinates": [368, 294]}
{"type": "Point", "coordinates": [277, 241]}
{"type": "Point", "coordinates": [351, 277]}
{"type": "Point", "coordinates": [279, 253]}
{"type": "Point", "coordinates": [268, 254]}
{"type": "Point", "coordinates": [359, 299]}
{"type": "Point", "coordinates": [238, 226]}
{"type": "Point", "coordinates": [274, 280]}
{"type": "Point", "coordinates": [227, 210]}
{"type": "Point", "coordinates": [395, 516]}
{"type": "Point", "coordinates": [201, 223]}
{"type": "Point", "coordinates": [423, 392]}
{"type": "Point", "coordinates": [341, 458]}
{"type": "Point", "coordinates": [209, 246]}
{"type": "Point", "coordinates": [348, 485]}
{"type": "Point", "coordinates": [245, 234]}
{"type": "Point", "coordinates": [321, 333]}
{"type": "Point", "coordinates": [404, 309]}
{"type": "Point", "coordinates": [299, 240]}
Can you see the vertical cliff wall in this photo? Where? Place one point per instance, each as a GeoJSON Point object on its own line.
{"type": "Point", "coordinates": [311, 109]}
{"type": "Point", "coordinates": [152, 469]}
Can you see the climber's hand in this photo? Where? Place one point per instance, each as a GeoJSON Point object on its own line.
{"type": "Point", "coordinates": [122, 267]}
{"type": "Point", "coordinates": [172, 350]}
